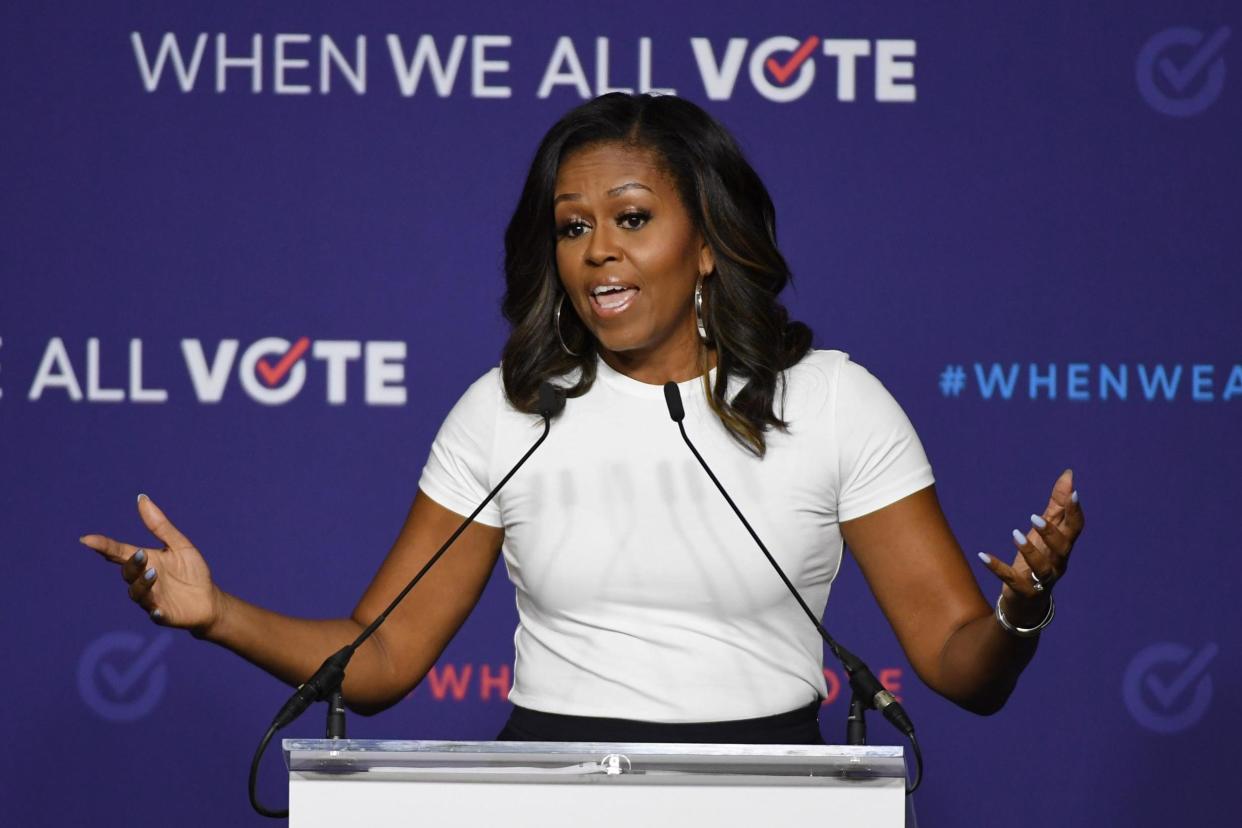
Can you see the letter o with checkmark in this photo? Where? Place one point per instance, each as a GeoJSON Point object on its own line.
{"type": "Point", "coordinates": [280, 383]}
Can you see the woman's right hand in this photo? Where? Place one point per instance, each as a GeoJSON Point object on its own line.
{"type": "Point", "coordinates": [171, 582]}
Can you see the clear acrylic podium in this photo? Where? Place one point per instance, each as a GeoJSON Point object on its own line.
{"type": "Point", "coordinates": [597, 784]}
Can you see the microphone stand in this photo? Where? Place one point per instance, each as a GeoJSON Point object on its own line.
{"type": "Point", "coordinates": [867, 690]}
{"type": "Point", "coordinates": [327, 680]}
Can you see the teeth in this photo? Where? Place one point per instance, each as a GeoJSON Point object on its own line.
{"type": "Point", "coordinates": [600, 291]}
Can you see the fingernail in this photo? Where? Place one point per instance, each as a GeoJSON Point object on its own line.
{"type": "Point", "coordinates": [141, 496]}
{"type": "Point", "coordinates": [1038, 522]}
{"type": "Point", "coordinates": [156, 614]}
{"type": "Point", "coordinates": [1074, 495]}
{"type": "Point", "coordinates": [1019, 538]}
{"type": "Point", "coordinates": [149, 575]}
{"type": "Point", "coordinates": [140, 556]}
{"type": "Point", "coordinates": [985, 557]}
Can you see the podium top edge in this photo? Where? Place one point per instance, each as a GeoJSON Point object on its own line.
{"type": "Point", "coordinates": [391, 746]}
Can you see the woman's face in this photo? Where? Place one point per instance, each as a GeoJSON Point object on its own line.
{"type": "Point", "coordinates": [628, 256]}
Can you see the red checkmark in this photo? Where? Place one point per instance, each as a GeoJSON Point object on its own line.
{"type": "Point", "coordinates": [273, 375]}
{"type": "Point", "coordinates": [783, 73]}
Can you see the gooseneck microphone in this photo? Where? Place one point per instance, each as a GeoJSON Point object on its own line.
{"type": "Point", "coordinates": [326, 681]}
{"type": "Point", "coordinates": [867, 688]}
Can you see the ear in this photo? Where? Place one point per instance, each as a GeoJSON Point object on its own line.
{"type": "Point", "coordinates": [707, 260]}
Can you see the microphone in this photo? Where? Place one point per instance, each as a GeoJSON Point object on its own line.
{"type": "Point", "coordinates": [863, 682]}
{"type": "Point", "coordinates": [328, 678]}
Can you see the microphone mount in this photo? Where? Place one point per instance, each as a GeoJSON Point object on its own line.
{"type": "Point", "coordinates": [325, 683]}
{"type": "Point", "coordinates": [867, 690]}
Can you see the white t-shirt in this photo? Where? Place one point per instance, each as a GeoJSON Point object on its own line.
{"type": "Point", "coordinates": [639, 593]}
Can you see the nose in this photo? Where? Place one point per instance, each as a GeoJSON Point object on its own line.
{"type": "Point", "coordinates": [602, 246]}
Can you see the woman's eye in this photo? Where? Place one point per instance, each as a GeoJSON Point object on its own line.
{"type": "Point", "coordinates": [634, 220]}
{"type": "Point", "coordinates": [571, 229]}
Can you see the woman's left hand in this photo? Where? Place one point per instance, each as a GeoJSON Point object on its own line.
{"type": "Point", "coordinates": [1043, 554]}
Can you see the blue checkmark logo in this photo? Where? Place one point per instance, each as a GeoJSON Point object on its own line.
{"type": "Point", "coordinates": [1167, 687]}
{"type": "Point", "coordinates": [1181, 71]}
{"type": "Point", "coordinates": [121, 676]}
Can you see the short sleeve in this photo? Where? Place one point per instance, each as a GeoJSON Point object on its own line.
{"type": "Point", "coordinates": [880, 459]}
{"type": "Point", "coordinates": [458, 470]}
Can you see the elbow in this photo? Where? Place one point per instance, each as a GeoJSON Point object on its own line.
{"type": "Point", "coordinates": [983, 706]}
{"type": "Point", "coordinates": [369, 704]}
{"type": "Point", "coordinates": [985, 701]}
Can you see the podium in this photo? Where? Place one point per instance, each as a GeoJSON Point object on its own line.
{"type": "Point", "coordinates": [597, 784]}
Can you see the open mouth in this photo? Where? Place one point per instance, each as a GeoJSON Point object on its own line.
{"type": "Point", "coordinates": [609, 300]}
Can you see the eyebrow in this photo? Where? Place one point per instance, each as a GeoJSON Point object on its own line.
{"type": "Point", "coordinates": [615, 191]}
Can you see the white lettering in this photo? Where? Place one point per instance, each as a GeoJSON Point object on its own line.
{"type": "Point", "coordinates": [384, 365]}
{"type": "Point", "coordinates": [480, 66]}
{"type": "Point", "coordinates": [209, 382]}
{"type": "Point", "coordinates": [136, 392]}
{"type": "Point", "coordinates": [719, 78]}
{"type": "Point", "coordinates": [644, 70]}
{"type": "Point", "coordinates": [254, 61]}
{"type": "Point", "coordinates": [168, 49]}
{"type": "Point", "coordinates": [572, 75]}
{"type": "Point", "coordinates": [336, 354]}
{"type": "Point", "coordinates": [95, 393]}
{"type": "Point", "coordinates": [425, 54]}
{"type": "Point", "coordinates": [601, 70]}
{"type": "Point", "coordinates": [889, 69]}
{"type": "Point", "coordinates": [355, 75]}
{"type": "Point", "coordinates": [281, 63]}
{"type": "Point", "coordinates": [847, 51]}
{"type": "Point", "coordinates": [55, 371]}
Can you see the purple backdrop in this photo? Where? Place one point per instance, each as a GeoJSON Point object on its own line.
{"type": "Point", "coordinates": [1023, 220]}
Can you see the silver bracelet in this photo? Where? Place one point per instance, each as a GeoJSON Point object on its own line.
{"type": "Point", "coordinates": [1024, 632]}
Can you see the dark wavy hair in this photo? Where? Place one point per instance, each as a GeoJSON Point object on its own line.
{"type": "Point", "coordinates": [754, 338]}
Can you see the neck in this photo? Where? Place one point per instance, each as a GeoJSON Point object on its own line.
{"type": "Point", "coordinates": [657, 369]}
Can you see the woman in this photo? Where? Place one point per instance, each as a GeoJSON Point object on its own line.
{"type": "Point", "coordinates": [643, 251]}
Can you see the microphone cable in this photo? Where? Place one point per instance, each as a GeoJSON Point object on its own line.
{"type": "Point", "coordinates": [330, 675]}
{"type": "Point", "coordinates": [863, 682]}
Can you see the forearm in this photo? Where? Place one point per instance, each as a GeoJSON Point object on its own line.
{"type": "Point", "coordinates": [291, 649]}
{"type": "Point", "coordinates": [981, 661]}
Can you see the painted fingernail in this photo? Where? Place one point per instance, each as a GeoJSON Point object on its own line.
{"type": "Point", "coordinates": [140, 556]}
{"type": "Point", "coordinates": [1019, 538]}
{"type": "Point", "coordinates": [149, 575]}
{"type": "Point", "coordinates": [1038, 522]}
{"type": "Point", "coordinates": [985, 557]}
{"type": "Point", "coordinates": [156, 615]}
{"type": "Point", "coordinates": [1074, 495]}
{"type": "Point", "coordinates": [140, 497]}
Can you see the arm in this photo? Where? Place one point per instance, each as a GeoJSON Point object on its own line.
{"type": "Point", "coordinates": [406, 646]}
{"type": "Point", "coordinates": [920, 578]}
{"type": "Point", "coordinates": [385, 668]}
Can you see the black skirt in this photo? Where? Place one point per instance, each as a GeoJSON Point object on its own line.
{"type": "Point", "coordinates": [797, 727]}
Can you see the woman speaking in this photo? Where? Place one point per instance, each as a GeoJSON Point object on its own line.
{"type": "Point", "coordinates": [643, 251]}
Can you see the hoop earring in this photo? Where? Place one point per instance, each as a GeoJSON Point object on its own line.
{"type": "Point", "coordinates": [556, 323]}
{"type": "Point", "coordinates": [698, 310]}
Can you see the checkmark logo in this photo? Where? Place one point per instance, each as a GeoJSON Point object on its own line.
{"type": "Point", "coordinates": [272, 375]}
{"type": "Point", "coordinates": [784, 71]}
{"type": "Point", "coordinates": [1167, 687]}
{"type": "Point", "coordinates": [121, 675]}
{"type": "Point", "coordinates": [1181, 71]}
